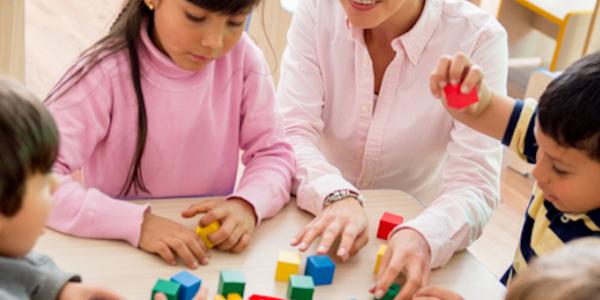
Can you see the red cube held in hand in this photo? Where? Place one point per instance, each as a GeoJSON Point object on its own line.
{"type": "Point", "coordinates": [458, 100]}
{"type": "Point", "coordinates": [388, 222]}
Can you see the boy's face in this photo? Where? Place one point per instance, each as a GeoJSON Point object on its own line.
{"type": "Point", "coordinates": [19, 233]}
{"type": "Point", "coordinates": [567, 176]}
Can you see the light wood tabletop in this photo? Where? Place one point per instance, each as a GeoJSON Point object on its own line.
{"type": "Point", "coordinates": [133, 272]}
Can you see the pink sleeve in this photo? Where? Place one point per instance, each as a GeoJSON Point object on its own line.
{"type": "Point", "coordinates": [82, 117]}
{"type": "Point", "coordinates": [471, 175]}
{"type": "Point", "coordinates": [268, 158]}
{"type": "Point", "coordinates": [301, 94]}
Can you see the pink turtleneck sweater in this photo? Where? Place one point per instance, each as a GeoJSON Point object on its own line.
{"type": "Point", "coordinates": [198, 121]}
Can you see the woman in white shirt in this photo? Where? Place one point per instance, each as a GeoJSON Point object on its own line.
{"type": "Point", "coordinates": [354, 91]}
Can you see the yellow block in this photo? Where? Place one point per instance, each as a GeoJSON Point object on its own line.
{"type": "Point", "coordinates": [234, 297]}
{"type": "Point", "coordinates": [380, 253]}
{"type": "Point", "coordinates": [219, 297]}
{"type": "Point", "coordinates": [203, 232]}
{"type": "Point", "coordinates": [288, 263]}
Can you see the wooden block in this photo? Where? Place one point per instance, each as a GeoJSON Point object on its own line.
{"type": "Point", "coordinates": [288, 263]}
{"type": "Point", "coordinates": [231, 282]}
{"type": "Point", "coordinates": [219, 297]}
{"type": "Point", "coordinates": [203, 232]}
{"type": "Point", "coordinates": [380, 253]}
{"type": "Point", "coordinates": [458, 100]}
{"type": "Point", "coordinates": [387, 223]}
{"type": "Point", "coordinates": [169, 288]}
{"type": "Point", "coordinates": [391, 292]}
{"type": "Point", "coordinates": [190, 284]}
{"type": "Point", "coordinates": [300, 287]}
{"type": "Point", "coordinates": [262, 297]}
{"type": "Point", "coordinates": [321, 268]}
{"type": "Point", "coordinates": [234, 297]}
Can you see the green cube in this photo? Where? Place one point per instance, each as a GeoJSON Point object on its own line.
{"type": "Point", "coordinates": [231, 282]}
{"type": "Point", "coordinates": [300, 287]}
{"type": "Point", "coordinates": [391, 292]}
{"type": "Point", "coordinates": [169, 288]}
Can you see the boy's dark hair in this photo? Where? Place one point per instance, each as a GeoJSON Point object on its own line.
{"type": "Point", "coordinates": [569, 109]}
{"type": "Point", "coordinates": [28, 143]}
{"type": "Point", "coordinates": [125, 34]}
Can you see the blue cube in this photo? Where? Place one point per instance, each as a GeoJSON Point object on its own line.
{"type": "Point", "coordinates": [190, 284]}
{"type": "Point", "coordinates": [320, 268]}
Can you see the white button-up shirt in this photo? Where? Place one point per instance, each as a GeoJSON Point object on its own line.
{"type": "Point", "coordinates": [345, 137]}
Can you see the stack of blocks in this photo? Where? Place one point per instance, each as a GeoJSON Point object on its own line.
{"type": "Point", "coordinates": [231, 282]}
{"type": "Point", "coordinates": [183, 286]}
{"type": "Point", "coordinates": [203, 232]}
{"type": "Point", "coordinates": [300, 288]}
{"type": "Point", "coordinates": [320, 268]}
{"type": "Point", "coordinates": [288, 263]}
{"type": "Point", "coordinates": [391, 292]}
{"type": "Point", "coordinates": [379, 256]}
{"type": "Point", "coordinates": [387, 223]}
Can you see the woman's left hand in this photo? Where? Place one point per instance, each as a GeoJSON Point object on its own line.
{"type": "Point", "coordinates": [407, 252]}
{"type": "Point", "coordinates": [237, 219]}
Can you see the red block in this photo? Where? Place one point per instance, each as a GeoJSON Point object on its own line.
{"type": "Point", "coordinates": [387, 222]}
{"type": "Point", "coordinates": [261, 297]}
{"type": "Point", "coordinates": [458, 100]}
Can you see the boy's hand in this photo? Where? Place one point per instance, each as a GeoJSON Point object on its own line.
{"type": "Point", "coordinates": [459, 70]}
{"type": "Point", "coordinates": [73, 290]}
{"type": "Point", "coordinates": [345, 219]}
{"type": "Point", "coordinates": [168, 238]}
{"type": "Point", "coordinates": [237, 219]}
{"type": "Point", "coordinates": [407, 252]}
{"type": "Point", "coordinates": [434, 292]}
{"type": "Point", "coordinates": [201, 295]}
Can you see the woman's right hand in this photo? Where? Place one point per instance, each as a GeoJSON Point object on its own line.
{"type": "Point", "coordinates": [460, 70]}
{"type": "Point", "coordinates": [346, 218]}
{"type": "Point", "coordinates": [170, 239]}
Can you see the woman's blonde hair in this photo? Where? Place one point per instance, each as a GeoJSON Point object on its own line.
{"type": "Point", "coordinates": [572, 272]}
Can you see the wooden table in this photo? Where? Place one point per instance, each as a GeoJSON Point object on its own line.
{"type": "Point", "coordinates": [133, 272]}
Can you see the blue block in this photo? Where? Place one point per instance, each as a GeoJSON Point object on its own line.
{"type": "Point", "coordinates": [320, 268]}
{"type": "Point", "coordinates": [190, 284]}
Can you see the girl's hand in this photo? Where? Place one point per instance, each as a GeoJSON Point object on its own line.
{"type": "Point", "coordinates": [237, 219]}
{"type": "Point", "coordinates": [168, 238]}
{"type": "Point", "coordinates": [407, 252]}
{"type": "Point", "coordinates": [438, 293]}
{"type": "Point", "coordinates": [345, 218]}
{"type": "Point", "coordinates": [460, 70]}
{"type": "Point", "coordinates": [201, 295]}
{"type": "Point", "coordinates": [73, 290]}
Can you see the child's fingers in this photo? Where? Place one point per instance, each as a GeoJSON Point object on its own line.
{"type": "Point", "coordinates": [232, 240]}
{"type": "Point", "coordinates": [160, 296]}
{"type": "Point", "coordinates": [201, 295]}
{"type": "Point", "coordinates": [198, 248]}
{"type": "Point", "coordinates": [224, 232]}
{"type": "Point", "coordinates": [332, 231]}
{"type": "Point", "coordinates": [459, 65]}
{"type": "Point", "coordinates": [163, 250]}
{"type": "Point", "coordinates": [242, 244]}
{"type": "Point", "coordinates": [216, 213]}
{"type": "Point", "coordinates": [181, 249]}
{"type": "Point", "coordinates": [198, 208]}
{"type": "Point", "coordinates": [472, 80]}
{"type": "Point", "coordinates": [436, 292]}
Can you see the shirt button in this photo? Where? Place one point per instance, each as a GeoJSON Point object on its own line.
{"type": "Point", "coordinates": [564, 219]}
{"type": "Point", "coordinates": [364, 108]}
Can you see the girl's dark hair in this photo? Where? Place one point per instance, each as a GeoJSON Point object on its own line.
{"type": "Point", "coordinates": [29, 143]}
{"type": "Point", "coordinates": [124, 34]}
{"type": "Point", "coordinates": [569, 109]}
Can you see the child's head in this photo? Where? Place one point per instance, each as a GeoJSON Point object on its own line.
{"type": "Point", "coordinates": [28, 148]}
{"type": "Point", "coordinates": [568, 136]}
{"type": "Point", "coordinates": [190, 32]}
{"type": "Point", "coordinates": [572, 272]}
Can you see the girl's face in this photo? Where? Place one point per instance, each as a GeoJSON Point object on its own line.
{"type": "Point", "coordinates": [192, 36]}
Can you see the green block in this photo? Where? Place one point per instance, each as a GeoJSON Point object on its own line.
{"type": "Point", "coordinates": [231, 282]}
{"type": "Point", "coordinates": [391, 292]}
{"type": "Point", "coordinates": [169, 288]}
{"type": "Point", "coordinates": [300, 287]}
